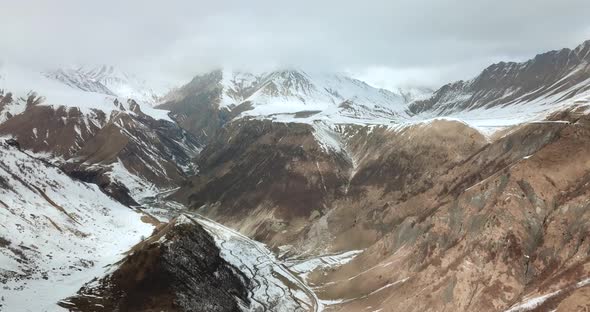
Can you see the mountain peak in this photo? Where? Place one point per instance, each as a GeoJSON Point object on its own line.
{"type": "Point", "coordinates": [291, 95]}
{"type": "Point", "coordinates": [104, 72]}
{"type": "Point", "coordinates": [583, 50]}
{"type": "Point", "coordinates": [516, 90]}
{"type": "Point", "coordinates": [107, 79]}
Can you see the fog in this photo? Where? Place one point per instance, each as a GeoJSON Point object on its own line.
{"type": "Point", "coordinates": [388, 43]}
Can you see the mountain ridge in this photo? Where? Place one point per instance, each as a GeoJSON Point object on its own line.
{"type": "Point", "coordinates": [109, 80]}
{"type": "Point", "coordinates": [550, 77]}
{"type": "Point", "coordinates": [315, 166]}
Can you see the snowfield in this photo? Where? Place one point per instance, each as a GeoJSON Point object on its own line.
{"type": "Point", "coordinates": [67, 91]}
{"type": "Point", "coordinates": [60, 233]}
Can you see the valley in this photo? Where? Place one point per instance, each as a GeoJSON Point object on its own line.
{"type": "Point", "coordinates": [295, 190]}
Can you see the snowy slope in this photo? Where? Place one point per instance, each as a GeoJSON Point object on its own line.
{"type": "Point", "coordinates": [275, 287]}
{"type": "Point", "coordinates": [325, 100]}
{"type": "Point", "coordinates": [136, 145]}
{"type": "Point", "coordinates": [283, 94]}
{"type": "Point", "coordinates": [294, 95]}
{"type": "Point", "coordinates": [57, 233]}
{"type": "Point", "coordinates": [411, 94]}
{"type": "Point", "coordinates": [108, 80]}
{"type": "Point", "coordinates": [69, 91]}
{"type": "Point", "coordinates": [508, 93]}
{"type": "Point", "coordinates": [490, 120]}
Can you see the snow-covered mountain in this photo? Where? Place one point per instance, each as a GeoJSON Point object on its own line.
{"type": "Point", "coordinates": [315, 165]}
{"type": "Point", "coordinates": [411, 94]}
{"type": "Point", "coordinates": [117, 139]}
{"type": "Point", "coordinates": [509, 92]}
{"type": "Point", "coordinates": [108, 80]}
{"type": "Point", "coordinates": [55, 229]}
{"type": "Point", "coordinates": [70, 88]}
{"type": "Point", "coordinates": [209, 101]}
{"type": "Point", "coordinates": [288, 92]}
{"type": "Point", "coordinates": [292, 95]}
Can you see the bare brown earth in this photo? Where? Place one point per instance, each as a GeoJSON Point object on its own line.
{"type": "Point", "coordinates": [509, 221]}
{"type": "Point", "coordinates": [276, 173]}
{"type": "Point", "coordinates": [449, 220]}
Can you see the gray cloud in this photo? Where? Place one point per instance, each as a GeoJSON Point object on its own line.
{"type": "Point", "coordinates": [388, 42]}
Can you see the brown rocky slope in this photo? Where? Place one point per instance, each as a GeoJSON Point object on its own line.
{"type": "Point", "coordinates": [449, 219]}
{"type": "Point", "coordinates": [507, 223]}
{"type": "Point", "coordinates": [178, 268]}
{"type": "Point", "coordinates": [88, 144]}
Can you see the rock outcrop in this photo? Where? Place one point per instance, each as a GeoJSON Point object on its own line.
{"type": "Point", "coordinates": [178, 268]}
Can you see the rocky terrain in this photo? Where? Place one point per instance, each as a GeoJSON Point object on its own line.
{"type": "Point", "coordinates": [448, 213]}
{"type": "Point", "coordinates": [119, 144]}
{"type": "Point", "coordinates": [537, 84]}
{"type": "Point", "coordinates": [300, 191]}
{"type": "Point", "coordinates": [178, 268]}
{"type": "Point", "coordinates": [499, 221]}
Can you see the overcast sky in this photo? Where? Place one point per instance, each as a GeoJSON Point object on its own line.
{"type": "Point", "coordinates": [388, 42]}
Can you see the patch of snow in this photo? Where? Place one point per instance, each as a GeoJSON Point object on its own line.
{"type": "Point", "coordinates": [306, 266]}
{"type": "Point", "coordinates": [138, 187]}
{"type": "Point", "coordinates": [532, 303]}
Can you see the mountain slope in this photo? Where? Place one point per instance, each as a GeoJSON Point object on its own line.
{"type": "Point", "coordinates": [442, 215]}
{"type": "Point", "coordinates": [209, 101]}
{"type": "Point", "coordinates": [123, 146]}
{"type": "Point", "coordinates": [480, 221]}
{"type": "Point", "coordinates": [185, 272]}
{"type": "Point", "coordinates": [108, 80]}
{"type": "Point", "coordinates": [515, 91]}
{"type": "Point", "coordinates": [57, 232]}
{"type": "Point", "coordinates": [503, 228]}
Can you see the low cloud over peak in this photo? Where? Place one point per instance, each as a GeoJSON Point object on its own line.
{"type": "Point", "coordinates": [425, 42]}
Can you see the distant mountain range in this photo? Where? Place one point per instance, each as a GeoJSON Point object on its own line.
{"type": "Point", "coordinates": [108, 80]}
{"type": "Point", "coordinates": [471, 197]}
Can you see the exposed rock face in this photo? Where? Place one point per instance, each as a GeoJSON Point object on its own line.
{"type": "Point", "coordinates": [276, 173]}
{"type": "Point", "coordinates": [505, 224]}
{"type": "Point", "coordinates": [178, 268]}
{"type": "Point", "coordinates": [58, 130]}
{"type": "Point", "coordinates": [558, 75]}
{"type": "Point", "coordinates": [195, 106]}
{"type": "Point", "coordinates": [393, 167]}
{"type": "Point", "coordinates": [277, 181]}
{"type": "Point", "coordinates": [124, 147]}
